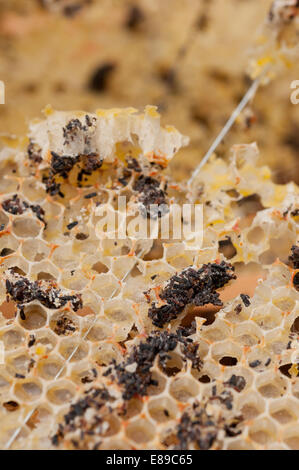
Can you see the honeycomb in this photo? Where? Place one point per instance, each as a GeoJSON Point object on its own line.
{"type": "Point", "coordinates": [143, 344]}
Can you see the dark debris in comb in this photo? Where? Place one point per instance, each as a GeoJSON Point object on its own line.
{"type": "Point", "coordinates": [157, 345]}
{"type": "Point", "coordinates": [80, 429]}
{"type": "Point", "coordinates": [14, 205]}
{"type": "Point", "coordinates": [91, 163]}
{"type": "Point", "coordinates": [133, 164]}
{"type": "Point", "coordinates": [150, 193]}
{"type": "Point", "coordinates": [34, 153]}
{"type": "Point", "coordinates": [90, 195]}
{"type": "Point", "coordinates": [73, 129]}
{"type": "Point", "coordinates": [245, 299]}
{"type": "Point", "coordinates": [11, 405]}
{"type": "Point", "coordinates": [191, 286]}
{"type": "Point", "coordinates": [71, 225]}
{"type": "Point", "coordinates": [17, 206]}
{"type": "Point", "coordinates": [52, 187]}
{"type": "Point", "coordinates": [31, 341]}
{"type": "Point", "coordinates": [62, 165]}
{"type": "Point", "coordinates": [237, 382]}
{"type": "Point", "coordinates": [64, 325]}
{"type": "Point", "coordinates": [199, 428]}
{"type": "Point", "coordinates": [23, 291]}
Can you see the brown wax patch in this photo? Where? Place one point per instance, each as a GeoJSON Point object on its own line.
{"type": "Point", "coordinates": [8, 309]}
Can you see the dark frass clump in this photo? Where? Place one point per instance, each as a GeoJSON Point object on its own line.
{"type": "Point", "coordinates": [245, 299]}
{"type": "Point", "coordinates": [61, 166]}
{"type": "Point", "coordinates": [150, 193]}
{"type": "Point", "coordinates": [70, 131]}
{"type": "Point", "coordinates": [17, 206]}
{"type": "Point", "coordinates": [134, 373]}
{"type": "Point", "coordinates": [34, 153]}
{"type": "Point", "coordinates": [200, 429]}
{"type": "Point", "coordinates": [237, 382]}
{"type": "Point", "coordinates": [255, 363]}
{"type": "Point", "coordinates": [191, 286]}
{"type": "Point", "coordinates": [90, 195]}
{"type": "Point", "coordinates": [14, 205]}
{"type": "Point", "coordinates": [91, 163]}
{"type": "Point", "coordinates": [86, 421]}
{"type": "Point", "coordinates": [72, 225]}
{"type": "Point", "coordinates": [75, 128]}
{"type": "Point", "coordinates": [23, 291]}
{"type": "Point", "coordinates": [64, 326]}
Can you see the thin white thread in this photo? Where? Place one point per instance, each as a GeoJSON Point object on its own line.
{"type": "Point", "coordinates": [244, 101]}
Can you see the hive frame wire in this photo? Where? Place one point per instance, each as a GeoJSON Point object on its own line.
{"type": "Point", "coordinates": [226, 128]}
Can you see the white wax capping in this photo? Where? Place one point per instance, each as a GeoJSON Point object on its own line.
{"type": "Point", "coordinates": [79, 133]}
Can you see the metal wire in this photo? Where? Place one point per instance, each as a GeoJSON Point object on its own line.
{"type": "Point", "coordinates": [244, 101]}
